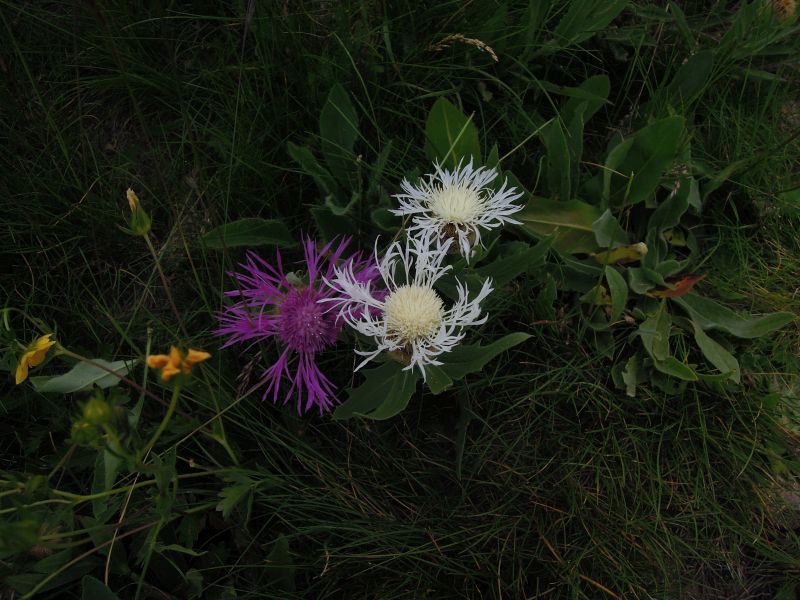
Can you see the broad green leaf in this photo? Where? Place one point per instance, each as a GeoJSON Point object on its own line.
{"type": "Point", "coordinates": [583, 19]}
{"type": "Point", "coordinates": [470, 358]}
{"type": "Point", "coordinates": [94, 589]}
{"type": "Point", "coordinates": [559, 169]}
{"type": "Point", "coordinates": [593, 92]}
{"type": "Point", "coordinates": [619, 291]}
{"type": "Point", "coordinates": [310, 166]}
{"type": "Point", "coordinates": [450, 135]}
{"type": "Point", "coordinates": [248, 232]}
{"type": "Point", "coordinates": [385, 392]}
{"type": "Point", "coordinates": [708, 314]}
{"type": "Point", "coordinates": [331, 225]}
{"type": "Point", "coordinates": [570, 223]}
{"type": "Point", "coordinates": [338, 127]}
{"type": "Point", "coordinates": [385, 220]}
{"type": "Point", "coordinates": [493, 160]}
{"type": "Point", "coordinates": [692, 77]}
{"type": "Point", "coordinates": [608, 232]}
{"type": "Point", "coordinates": [716, 354]}
{"type": "Point", "coordinates": [654, 332]}
{"type": "Point", "coordinates": [641, 162]}
{"type": "Point", "coordinates": [436, 379]}
{"type": "Point", "coordinates": [83, 376]}
{"type": "Point", "coordinates": [507, 268]}
{"type": "Point", "coordinates": [666, 216]}
{"type": "Point", "coordinates": [673, 367]}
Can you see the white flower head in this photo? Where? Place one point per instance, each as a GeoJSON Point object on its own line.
{"type": "Point", "coordinates": [408, 317]}
{"type": "Point", "coordinates": [457, 204]}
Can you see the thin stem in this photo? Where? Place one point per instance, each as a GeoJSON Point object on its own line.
{"type": "Point", "coordinates": [165, 283]}
{"type": "Point", "coordinates": [173, 403]}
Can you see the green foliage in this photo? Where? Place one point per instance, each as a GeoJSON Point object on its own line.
{"type": "Point", "coordinates": [529, 475]}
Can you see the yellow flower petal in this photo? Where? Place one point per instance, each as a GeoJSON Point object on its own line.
{"type": "Point", "coordinates": [195, 356]}
{"type": "Point", "coordinates": [43, 343]}
{"type": "Point", "coordinates": [169, 371]}
{"type": "Point", "coordinates": [35, 358]}
{"type": "Point", "coordinates": [157, 361]}
{"type": "Point", "coordinates": [133, 199]}
{"type": "Point", "coordinates": [22, 370]}
{"type": "Point", "coordinates": [175, 357]}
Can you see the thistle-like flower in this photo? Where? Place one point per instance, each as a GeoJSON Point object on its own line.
{"type": "Point", "coordinates": [273, 303]}
{"type": "Point", "coordinates": [457, 204]}
{"type": "Point", "coordinates": [409, 319]}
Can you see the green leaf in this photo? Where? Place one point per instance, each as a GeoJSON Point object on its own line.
{"type": "Point", "coordinates": [631, 375]}
{"type": "Point", "coordinates": [635, 167]}
{"type": "Point", "coordinates": [718, 356]}
{"type": "Point", "coordinates": [654, 332]}
{"type": "Point", "coordinates": [471, 358]}
{"type": "Point", "coordinates": [619, 292]}
{"type": "Point", "coordinates": [177, 548]}
{"type": "Point", "coordinates": [280, 563]}
{"type": "Point", "coordinates": [385, 392]}
{"type": "Point", "coordinates": [232, 495]}
{"type": "Point", "coordinates": [593, 93]}
{"type": "Point", "coordinates": [708, 314]}
{"type": "Point", "coordinates": [608, 232]}
{"type": "Point", "coordinates": [507, 268]}
{"type": "Point", "coordinates": [450, 135]}
{"type": "Point", "coordinates": [83, 376]}
{"type": "Point", "coordinates": [570, 223]}
{"type": "Point", "coordinates": [94, 589]}
{"type": "Point", "coordinates": [436, 379]}
{"type": "Point", "coordinates": [692, 77]}
{"type": "Point", "coordinates": [248, 232]}
{"type": "Point", "coordinates": [583, 19]}
{"type": "Point", "coordinates": [310, 166]}
{"type": "Point", "coordinates": [331, 225]}
{"type": "Point", "coordinates": [675, 368]}
{"type": "Point", "coordinates": [559, 169]}
{"type": "Point", "coordinates": [338, 126]}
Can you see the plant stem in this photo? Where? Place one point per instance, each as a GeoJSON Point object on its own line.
{"type": "Point", "coordinates": [173, 403]}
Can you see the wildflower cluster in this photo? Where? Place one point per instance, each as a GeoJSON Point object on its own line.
{"type": "Point", "coordinates": [388, 297]}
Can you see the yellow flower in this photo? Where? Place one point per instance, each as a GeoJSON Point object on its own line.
{"type": "Point", "coordinates": [174, 363]}
{"type": "Point", "coordinates": [34, 356]}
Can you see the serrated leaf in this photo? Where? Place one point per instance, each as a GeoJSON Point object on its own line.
{"type": "Point", "coordinates": [83, 376]}
{"type": "Point", "coordinates": [570, 223]}
{"type": "Point", "coordinates": [232, 495]}
{"type": "Point", "coordinates": [436, 379]}
{"type": "Point", "coordinates": [450, 135]}
{"type": "Point", "coordinates": [248, 232]}
{"type": "Point", "coordinates": [709, 314]}
{"type": "Point", "coordinates": [385, 392]}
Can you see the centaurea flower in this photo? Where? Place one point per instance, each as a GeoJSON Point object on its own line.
{"type": "Point", "coordinates": [276, 304]}
{"type": "Point", "coordinates": [457, 205]}
{"type": "Point", "coordinates": [409, 319]}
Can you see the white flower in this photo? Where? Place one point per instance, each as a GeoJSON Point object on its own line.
{"type": "Point", "coordinates": [457, 204]}
{"type": "Point", "coordinates": [409, 317]}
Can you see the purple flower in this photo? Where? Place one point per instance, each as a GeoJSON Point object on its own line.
{"type": "Point", "coordinates": [273, 303]}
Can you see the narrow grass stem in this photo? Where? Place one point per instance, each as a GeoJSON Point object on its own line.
{"type": "Point", "coordinates": [173, 403]}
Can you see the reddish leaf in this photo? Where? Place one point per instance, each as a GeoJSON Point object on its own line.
{"type": "Point", "coordinates": [680, 287]}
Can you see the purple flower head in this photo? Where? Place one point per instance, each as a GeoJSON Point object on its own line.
{"type": "Point", "coordinates": [273, 303]}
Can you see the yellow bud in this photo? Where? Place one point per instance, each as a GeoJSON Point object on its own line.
{"type": "Point", "coordinates": [133, 200]}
